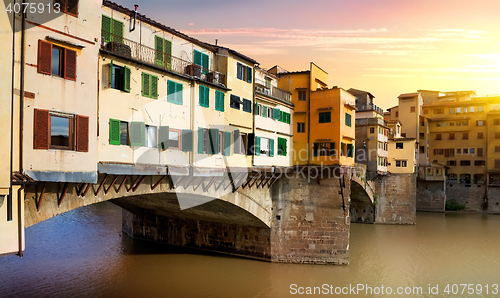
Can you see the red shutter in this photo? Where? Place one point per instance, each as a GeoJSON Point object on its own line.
{"type": "Point", "coordinates": [72, 7]}
{"type": "Point", "coordinates": [70, 64]}
{"type": "Point", "coordinates": [82, 133]}
{"type": "Point", "coordinates": [44, 57]}
{"type": "Point", "coordinates": [41, 129]}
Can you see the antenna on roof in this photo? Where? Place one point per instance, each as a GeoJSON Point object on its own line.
{"type": "Point", "coordinates": [216, 40]}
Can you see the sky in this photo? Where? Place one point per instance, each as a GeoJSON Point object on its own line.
{"type": "Point", "coordinates": [386, 47]}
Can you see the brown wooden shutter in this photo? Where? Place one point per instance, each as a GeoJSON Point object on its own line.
{"type": "Point", "coordinates": [44, 57]}
{"type": "Point", "coordinates": [70, 64]}
{"type": "Point", "coordinates": [72, 7]}
{"type": "Point", "coordinates": [41, 129]}
{"type": "Point", "coordinates": [82, 133]}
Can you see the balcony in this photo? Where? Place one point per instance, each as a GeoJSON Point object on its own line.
{"type": "Point", "coordinates": [147, 55]}
{"type": "Point", "coordinates": [368, 107]}
{"type": "Point", "coordinates": [260, 86]}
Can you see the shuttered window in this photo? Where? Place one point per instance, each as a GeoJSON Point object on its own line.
{"type": "Point", "coordinates": [282, 146]}
{"type": "Point", "coordinates": [257, 145]}
{"type": "Point", "coordinates": [276, 114]}
{"type": "Point", "coordinates": [247, 105]}
{"type": "Point", "coordinates": [235, 102]}
{"type": "Point", "coordinates": [120, 77]}
{"type": "Point", "coordinates": [137, 134]}
{"type": "Point", "coordinates": [163, 54]}
{"type": "Point", "coordinates": [174, 92]}
{"type": "Point", "coordinates": [204, 96]}
{"type": "Point", "coordinates": [149, 85]}
{"type": "Point", "coordinates": [201, 140]}
{"type": "Point", "coordinates": [82, 133]}
{"type": "Point", "coordinates": [57, 131]}
{"type": "Point", "coordinates": [350, 150]}
{"type": "Point", "coordinates": [111, 29]}
{"type": "Point", "coordinates": [41, 129]}
{"type": "Point", "coordinates": [227, 143]}
{"type": "Point", "coordinates": [271, 147]}
{"type": "Point", "coordinates": [214, 146]}
{"type": "Point", "coordinates": [202, 60]}
{"type": "Point", "coordinates": [347, 119]}
{"type": "Point", "coordinates": [219, 101]}
{"type": "Point", "coordinates": [325, 117]}
{"type": "Point", "coordinates": [114, 132]}
{"type": "Point", "coordinates": [249, 74]}
{"type": "Point", "coordinates": [187, 140]}
{"type": "Point", "coordinates": [57, 61]}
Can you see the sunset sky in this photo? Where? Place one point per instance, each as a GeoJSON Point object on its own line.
{"type": "Point", "coordinates": [386, 47]}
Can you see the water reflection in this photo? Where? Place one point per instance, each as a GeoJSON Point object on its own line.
{"type": "Point", "coordinates": [84, 253]}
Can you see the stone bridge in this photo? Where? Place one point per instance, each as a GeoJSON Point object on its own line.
{"type": "Point", "coordinates": [278, 215]}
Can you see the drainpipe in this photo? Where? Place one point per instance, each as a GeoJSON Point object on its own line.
{"type": "Point", "coordinates": [11, 167]}
{"type": "Point", "coordinates": [309, 120]}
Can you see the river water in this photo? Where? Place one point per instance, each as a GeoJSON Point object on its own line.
{"type": "Point", "coordinates": [83, 253]}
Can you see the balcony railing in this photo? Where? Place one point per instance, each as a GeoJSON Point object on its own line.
{"type": "Point", "coordinates": [145, 54]}
{"type": "Point", "coordinates": [260, 86]}
{"type": "Point", "coordinates": [369, 107]}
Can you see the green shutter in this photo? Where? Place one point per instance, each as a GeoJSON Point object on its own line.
{"type": "Point", "coordinates": [315, 149]}
{"type": "Point", "coordinates": [213, 137]}
{"type": "Point", "coordinates": [145, 85]}
{"type": "Point", "coordinates": [126, 79]}
{"type": "Point", "coordinates": [163, 137]}
{"type": "Point", "coordinates": [276, 114]}
{"type": "Point", "coordinates": [117, 32]}
{"type": "Point", "coordinates": [205, 63]}
{"type": "Point", "coordinates": [197, 57]}
{"type": "Point", "coordinates": [341, 149]}
{"type": "Point", "coordinates": [271, 147]}
{"type": "Point", "coordinates": [201, 140]}
{"type": "Point", "coordinates": [329, 117]}
{"type": "Point", "coordinates": [137, 134]}
{"type": "Point", "coordinates": [154, 87]}
{"type": "Point", "coordinates": [285, 147]}
{"type": "Point", "coordinates": [350, 150]}
{"type": "Point", "coordinates": [106, 28]}
{"type": "Point", "coordinates": [159, 52]}
{"type": "Point", "coordinates": [204, 96]}
{"type": "Point", "coordinates": [114, 132]}
{"type": "Point", "coordinates": [168, 53]}
{"type": "Point", "coordinates": [227, 143]}
{"type": "Point", "coordinates": [264, 111]}
{"type": "Point", "coordinates": [249, 74]}
{"type": "Point", "coordinates": [237, 141]}
{"type": "Point", "coordinates": [178, 93]}
{"type": "Point", "coordinates": [282, 146]}
{"type": "Point", "coordinates": [171, 91]}
{"type": "Point", "coordinates": [187, 140]}
{"type": "Point", "coordinates": [257, 145]}
{"type": "Point", "coordinates": [219, 101]}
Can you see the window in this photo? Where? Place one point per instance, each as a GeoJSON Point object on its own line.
{"type": "Point", "coordinates": [397, 114]}
{"type": "Point", "coordinates": [149, 86]}
{"type": "Point", "coordinates": [347, 119]}
{"type": "Point", "coordinates": [302, 95]}
{"type": "Point", "coordinates": [235, 102]}
{"type": "Point", "coordinates": [479, 152]}
{"type": "Point", "coordinates": [120, 77]}
{"type": "Point", "coordinates": [401, 163]}
{"type": "Point", "coordinates": [497, 149]}
{"type": "Point", "coordinates": [124, 138]}
{"type": "Point", "coordinates": [472, 150]}
{"type": "Point", "coordinates": [174, 92]}
{"type": "Point", "coordinates": [111, 30]}
{"type": "Point", "coordinates": [459, 150]}
{"type": "Point", "coordinates": [496, 122]}
{"type": "Point", "coordinates": [465, 123]}
{"type": "Point", "coordinates": [438, 136]}
{"type": "Point", "coordinates": [479, 123]}
{"type": "Point", "coordinates": [399, 145]}
{"type": "Point", "coordinates": [56, 61]}
{"type": "Point", "coordinates": [325, 117]}
{"type": "Point", "coordinates": [282, 146]}
{"type": "Point", "coordinates": [451, 136]}
{"type": "Point", "coordinates": [438, 151]}
{"type": "Point", "coordinates": [452, 162]}
{"type": "Point", "coordinates": [452, 123]}
{"type": "Point", "coordinates": [438, 124]}
{"type": "Point", "coordinates": [459, 123]}
{"type": "Point", "coordinates": [324, 149]}
{"type": "Point", "coordinates": [480, 108]}
{"type": "Point", "coordinates": [269, 112]}
{"type": "Point", "coordinates": [247, 105]}
{"type": "Point", "coordinates": [472, 109]}
{"type": "Point", "coordinates": [258, 108]}
{"type": "Point", "coordinates": [174, 139]}
{"type": "Point", "coordinates": [459, 110]}
{"type": "Point", "coordinates": [497, 163]}
{"type": "Point", "coordinates": [438, 111]}
{"type": "Point", "coordinates": [372, 129]}
{"type": "Point", "coordinates": [219, 101]}
{"type": "Point", "coordinates": [452, 111]}
{"type": "Point", "coordinates": [244, 72]}
{"type": "Point", "coordinates": [465, 163]}
{"type": "Point", "coordinates": [412, 109]}
{"type": "Point", "coordinates": [421, 149]}
{"type": "Point", "coordinates": [479, 163]}
{"type": "Point", "coordinates": [262, 146]}
{"type": "Point", "coordinates": [497, 135]}
{"type": "Point", "coordinates": [239, 142]}
{"type": "Point", "coordinates": [202, 60]}
{"type": "Point", "coordinates": [150, 140]}
{"type": "Point", "coordinates": [268, 83]}
{"type": "Point", "coordinates": [204, 96]}
{"type": "Point", "coordinates": [480, 135]}
{"type": "Point", "coordinates": [465, 136]}
{"type": "Point", "coordinates": [426, 112]}
{"type": "Point", "coordinates": [284, 117]}
{"type": "Point", "coordinates": [264, 112]}
{"type": "Point", "coordinates": [301, 127]}
{"type": "Point", "coordinates": [163, 52]}
{"type": "Point", "coordinates": [449, 152]}
{"type": "Point", "coordinates": [56, 130]}
{"type": "Point", "coordinates": [68, 6]}
{"type": "Point", "coordinates": [465, 151]}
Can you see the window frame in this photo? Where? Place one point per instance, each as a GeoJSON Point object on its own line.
{"type": "Point", "coordinates": [325, 117]}
{"type": "Point", "coordinates": [179, 141]}
{"type": "Point", "coordinates": [71, 131]}
{"type": "Point", "coordinates": [64, 7]}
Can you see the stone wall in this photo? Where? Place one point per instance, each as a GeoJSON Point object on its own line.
{"type": "Point", "coordinates": [472, 195]}
{"type": "Point", "coordinates": [396, 202]}
{"type": "Point", "coordinates": [310, 221]}
{"type": "Point", "coordinates": [234, 239]}
{"type": "Point", "coordinates": [494, 200]}
{"type": "Point", "coordinates": [431, 196]}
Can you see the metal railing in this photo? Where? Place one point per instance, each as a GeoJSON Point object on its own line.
{"type": "Point", "coordinates": [145, 54]}
{"type": "Point", "coordinates": [260, 86]}
{"type": "Point", "coordinates": [369, 107]}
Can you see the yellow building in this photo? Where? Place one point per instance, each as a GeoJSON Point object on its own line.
{"type": "Point", "coordinates": [323, 118]}
{"type": "Point", "coordinates": [401, 156]}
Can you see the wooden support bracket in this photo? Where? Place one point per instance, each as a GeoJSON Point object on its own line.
{"type": "Point", "coordinates": [41, 198]}
{"type": "Point", "coordinates": [112, 183]}
{"type": "Point", "coordinates": [100, 185]}
{"type": "Point", "coordinates": [63, 195]}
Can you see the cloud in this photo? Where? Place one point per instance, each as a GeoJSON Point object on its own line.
{"type": "Point", "coordinates": [191, 24]}
{"type": "Point", "coordinates": [487, 68]}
